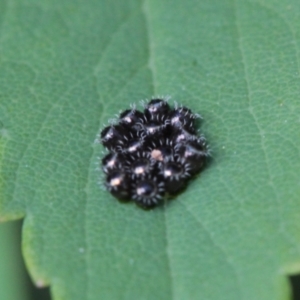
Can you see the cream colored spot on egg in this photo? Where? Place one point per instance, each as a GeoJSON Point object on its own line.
{"type": "Point", "coordinates": [111, 163]}
{"type": "Point", "coordinates": [128, 120]}
{"type": "Point", "coordinates": [140, 191]}
{"type": "Point", "coordinates": [132, 148]}
{"type": "Point", "coordinates": [156, 154]}
{"type": "Point", "coordinates": [167, 173]}
{"type": "Point", "coordinates": [115, 182]}
{"type": "Point", "coordinates": [175, 120]}
{"type": "Point", "coordinates": [139, 170]}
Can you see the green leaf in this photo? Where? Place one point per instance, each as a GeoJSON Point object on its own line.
{"type": "Point", "coordinates": [66, 67]}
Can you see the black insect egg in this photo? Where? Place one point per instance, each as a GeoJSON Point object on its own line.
{"type": "Point", "coordinates": [130, 117]}
{"type": "Point", "coordinates": [139, 164]}
{"type": "Point", "coordinates": [157, 107]}
{"type": "Point", "coordinates": [161, 149]}
{"type": "Point", "coordinates": [134, 143]}
{"type": "Point", "coordinates": [111, 161]}
{"type": "Point", "coordinates": [118, 183]}
{"type": "Point", "coordinates": [147, 191]}
{"type": "Point", "coordinates": [193, 152]}
{"type": "Point", "coordinates": [175, 173]}
{"type": "Point", "coordinates": [183, 118]}
{"type": "Point", "coordinates": [152, 153]}
{"type": "Point", "coordinates": [111, 135]}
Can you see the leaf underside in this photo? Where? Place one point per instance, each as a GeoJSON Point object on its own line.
{"type": "Point", "coordinates": [67, 67]}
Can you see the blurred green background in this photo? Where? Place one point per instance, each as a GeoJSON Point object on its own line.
{"type": "Point", "coordinates": [15, 283]}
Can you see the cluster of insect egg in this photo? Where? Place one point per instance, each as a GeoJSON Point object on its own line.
{"type": "Point", "coordinates": [152, 153]}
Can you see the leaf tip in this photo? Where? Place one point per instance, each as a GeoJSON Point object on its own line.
{"type": "Point", "coordinates": [40, 283]}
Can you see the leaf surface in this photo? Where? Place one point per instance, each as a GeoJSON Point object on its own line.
{"type": "Point", "coordinates": [66, 67]}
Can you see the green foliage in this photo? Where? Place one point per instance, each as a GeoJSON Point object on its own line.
{"type": "Point", "coordinates": [12, 281]}
{"type": "Point", "coordinates": [66, 67]}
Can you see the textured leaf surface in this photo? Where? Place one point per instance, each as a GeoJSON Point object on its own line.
{"type": "Point", "coordinates": [66, 67]}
